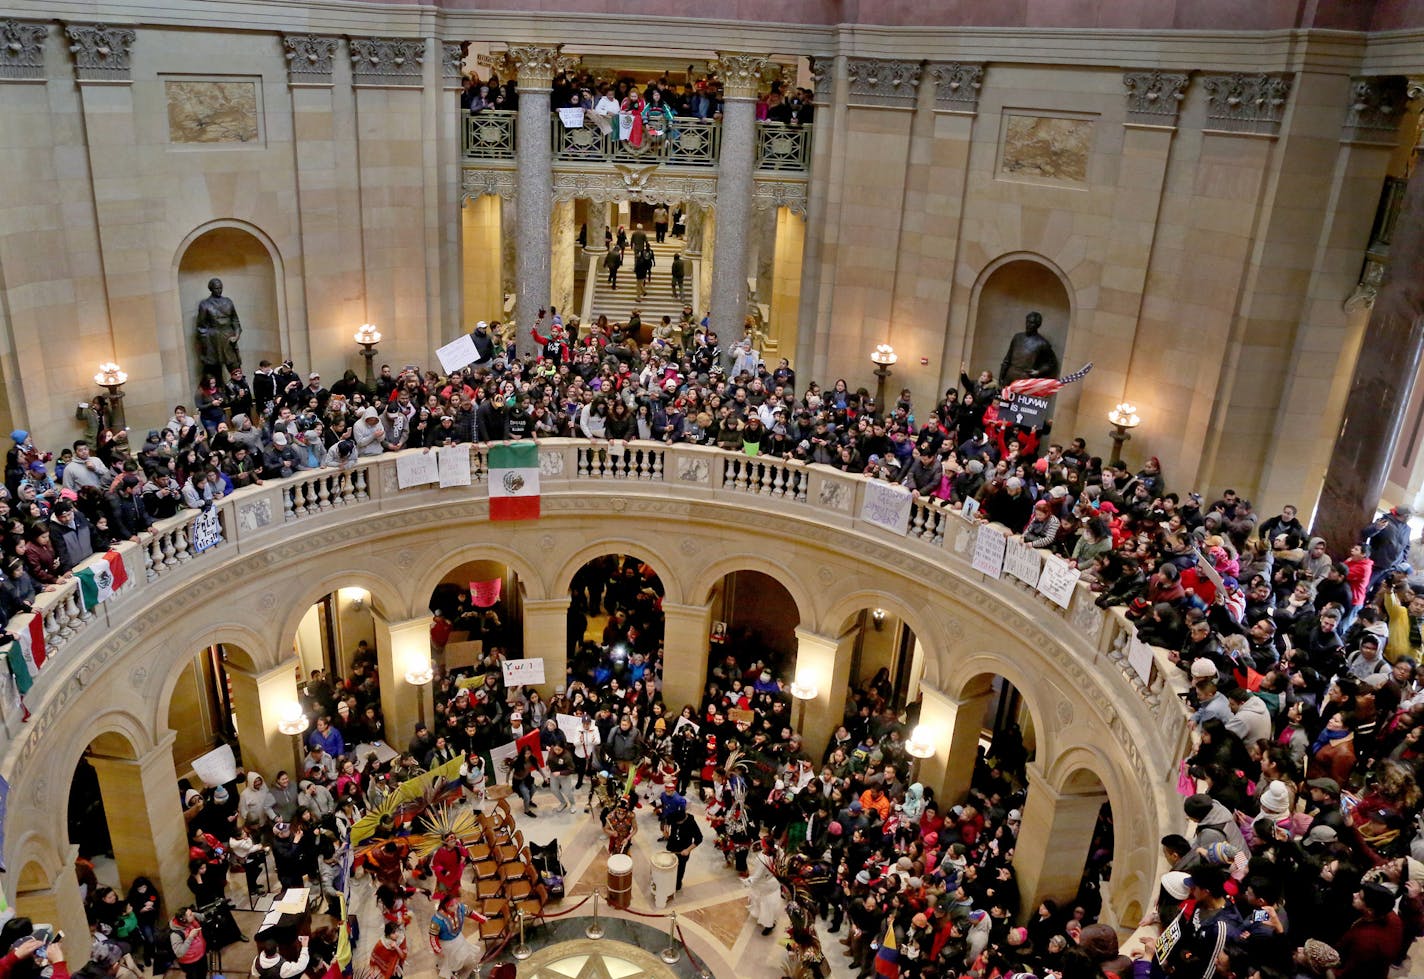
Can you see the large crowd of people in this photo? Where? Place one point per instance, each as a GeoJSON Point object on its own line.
{"type": "Point", "coordinates": [1305, 855]}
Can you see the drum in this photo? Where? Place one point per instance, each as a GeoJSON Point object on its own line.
{"type": "Point", "coordinates": [664, 878]}
{"type": "Point", "coordinates": [620, 880]}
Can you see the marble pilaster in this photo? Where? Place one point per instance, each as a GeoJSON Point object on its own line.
{"type": "Point", "coordinates": [564, 238]}
{"type": "Point", "coordinates": [1053, 840]}
{"type": "Point", "coordinates": [258, 700]}
{"type": "Point", "coordinates": [546, 635]}
{"type": "Point", "coordinates": [145, 819]}
{"type": "Point", "coordinates": [741, 76]}
{"type": "Point", "coordinates": [400, 648]}
{"type": "Point", "coordinates": [535, 65]}
{"type": "Point", "coordinates": [597, 222]}
{"type": "Point", "coordinates": [686, 631]}
{"type": "Point", "coordinates": [763, 268]}
{"type": "Point", "coordinates": [823, 662]}
{"type": "Point", "coordinates": [508, 247]}
{"type": "Point", "coordinates": [953, 727]}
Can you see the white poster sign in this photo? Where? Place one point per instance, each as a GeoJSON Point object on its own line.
{"type": "Point", "coordinates": [989, 551]}
{"type": "Point", "coordinates": [523, 672]}
{"type": "Point", "coordinates": [683, 722]}
{"type": "Point", "coordinates": [217, 767]}
{"type": "Point", "coordinates": [416, 469]}
{"type": "Point", "coordinates": [886, 505]}
{"type": "Point", "coordinates": [571, 117]}
{"type": "Point", "coordinates": [1058, 581]}
{"type": "Point", "coordinates": [383, 752]}
{"type": "Point", "coordinates": [1022, 561]}
{"type": "Point", "coordinates": [1140, 658]}
{"type": "Point", "coordinates": [458, 353]}
{"type": "Point", "coordinates": [454, 466]}
{"type": "Point", "coordinates": [205, 532]}
{"type": "Point", "coordinates": [971, 508]}
{"type": "Point", "coordinates": [570, 725]}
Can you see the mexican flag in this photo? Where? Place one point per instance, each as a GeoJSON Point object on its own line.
{"type": "Point", "coordinates": [514, 481]}
{"type": "Point", "coordinates": [101, 579]}
{"type": "Point", "coordinates": [27, 654]}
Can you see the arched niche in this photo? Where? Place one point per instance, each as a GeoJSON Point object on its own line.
{"type": "Point", "coordinates": [251, 271]}
{"type": "Point", "coordinates": [1009, 289]}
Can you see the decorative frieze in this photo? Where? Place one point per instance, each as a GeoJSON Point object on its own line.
{"type": "Point", "coordinates": [773, 194]}
{"type": "Point", "coordinates": [309, 58]}
{"type": "Point", "coordinates": [452, 62]}
{"type": "Point", "coordinates": [22, 51]}
{"type": "Point", "coordinates": [102, 53]}
{"type": "Point", "coordinates": [1376, 107]}
{"type": "Point", "coordinates": [874, 81]}
{"type": "Point", "coordinates": [635, 184]}
{"type": "Point", "coordinates": [741, 73]}
{"type": "Point", "coordinates": [957, 86]}
{"type": "Point", "coordinates": [1153, 97]}
{"type": "Point", "coordinates": [387, 61]}
{"type": "Point", "coordinates": [1240, 103]}
{"type": "Point", "coordinates": [535, 65]}
{"type": "Point", "coordinates": [496, 183]}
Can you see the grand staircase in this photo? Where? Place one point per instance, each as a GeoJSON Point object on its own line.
{"type": "Point", "coordinates": [600, 298]}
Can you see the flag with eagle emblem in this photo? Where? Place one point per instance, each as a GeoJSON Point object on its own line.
{"type": "Point", "coordinates": [100, 579]}
{"type": "Point", "coordinates": [514, 481]}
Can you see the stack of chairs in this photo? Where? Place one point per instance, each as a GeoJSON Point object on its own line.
{"type": "Point", "coordinates": [506, 882]}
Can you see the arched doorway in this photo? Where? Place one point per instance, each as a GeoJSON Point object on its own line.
{"type": "Point", "coordinates": [615, 618]}
{"type": "Point", "coordinates": [251, 276]}
{"type": "Point", "coordinates": [1008, 291]}
{"type": "Point", "coordinates": [758, 618]}
{"type": "Point", "coordinates": [482, 604]}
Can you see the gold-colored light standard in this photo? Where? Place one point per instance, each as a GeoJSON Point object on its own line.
{"type": "Point", "coordinates": [920, 746]}
{"type": "Point", "coordinates": [1122, 418]}
{"type": "Point", "coordinates": [884, 358]}
{"type": "Point", "coordinates": [112, 378]}
{"type": "Point", "coordinates": [803, 692]}
{"type": "Point", "coordinates": [418, 675]}
{"type": "Point", "coordinates": [293, 723]}
{"type": "Point", "coordinates": [368, 336]}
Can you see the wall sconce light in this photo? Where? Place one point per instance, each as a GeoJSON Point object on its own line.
{"type": "Point", "coordinates": [803, 692]}
{"type": "Point", "coordinates": [920, 746]}
{"type": "Point", "coordinates": [418, 673]}
{"type": "Point", "coordinates": [877, 618]}
{"type": "Point", "coordinates": [358, 597]}
{"type": "Point", "coordinates": [368, 336]}
{"type": "Point", "coordinates": [293, 721]}
{"type": "Point", "coordinates": [111, 377]}
{"type": "Point", "coordinates": [884, 358]}
{"type": "Point", "coordinates": [1122, 418]}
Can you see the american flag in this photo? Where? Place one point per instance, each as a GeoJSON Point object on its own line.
{"type": "Point", "coordinates": [1043, 387]}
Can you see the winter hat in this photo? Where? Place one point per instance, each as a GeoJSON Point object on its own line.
{"type": "Point", "coordinates": [1203, 668]}
{"type": "Point", "coordinates": [1015, 815]}
{"type": "Point", "coordinates": [1197, 806]}
{"type": "Point", "coordinates": [1275, 801]}
{"type": "Point", "coordinates": [835, 829]}
{"type": "Point", "coordinates": [975, 466]}
{"type": "Point", "coordinates": [279, 438]}
{"type": "Point", "coordinates": [1017, 936]}
{"type": "Point", "coordinates": [1175, 883]}
{"type": "Point", "coordinates": [220, 794]}
{"type": "Point", "coordinates": [863, 878]}
{"type": "Point", "coordinates": [904, 863]}
{"type": "Point", "coordinates": [920, 921]}
{"type": "Point", "coordinates": [1221, 853]}
{"type": "Point", "coordinates": [855, 806]}
{"type": "Point", "coordinates": [106, 955]}
{"type": "Point", "coordinates": [1058, 492]}
{"type": "Point", "coordinates": [1319, 955]}
{"type": "Point", "coordinates": [915, 883]}
{"type": "Point", "coordinates": [20, 436]}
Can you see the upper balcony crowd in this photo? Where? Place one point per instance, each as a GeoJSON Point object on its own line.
{"type": "Point", "coordinates": [1302, 663]}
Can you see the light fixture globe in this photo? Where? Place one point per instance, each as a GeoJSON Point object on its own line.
{"type": "Point", "coordinates": [1125, 415]}
{"type": "Point", "coordinates": [884, 355]}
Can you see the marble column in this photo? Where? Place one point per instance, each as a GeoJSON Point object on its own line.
{"type": "Point", "coordinates": [831, 95]}
{"type": "Point", "coordinates": [259, 700]}
{"type": "Point", "coordinates": [1382, 384]}
{"type": "Point", "coordinates": [546, 635]}
{"type": "Point", "coordinates": [686, 633]}
{"type": "Point", "coordinates": [741, 78]}
{"type": "Point", "coordinates": [953, 726]}
{"type": "Point", "coordinates": [1053, 841]}
{"type": "Point", "coordinates": [597, 224]}
{"type": "Point", "coordinates": [145, 817]}
{"type": "Point", "coordinates": [692, 216]}
{"type": "Point", "coordinates": [402, 647]}
{"type": "Point", "coordinates": [534, 65]}
{"type": "Point", "coordinates": [824, 663]}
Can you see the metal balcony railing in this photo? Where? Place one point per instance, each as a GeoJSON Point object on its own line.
{"type": "Point", "coordinates": [688, 143]}
{"type": "Point", "coordinates": [489, 135]}
{"type": "Point", "coordinates": [783, 148]}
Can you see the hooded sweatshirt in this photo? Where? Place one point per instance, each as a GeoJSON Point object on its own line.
{"type": "Point", "coordinates": [256, 806]}
{"type": "Point", "coordinates": [1219, 826]}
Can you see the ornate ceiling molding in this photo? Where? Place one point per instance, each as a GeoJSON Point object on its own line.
{"type": "Point", "coordinates": [102, 53]}
{"type": "Point", "coordinates": [957, 86]}
{"type": "Point", "coordinates": [1153, 97]}
{"type": "Point", "coordinates": [741, 73]}
{"type": "Point", "coordinates": [310, 58]}
{"type": "Point", "coordinates": [535, 65]}
{"type": "Point", "coordinates": [1240, 103]}
{"type": "Point", "coordinates": [773, 194]}
{"type": "Point", "coordinates": [22, 51]}
{"type": "Point", "coordinates": [496, 183]}
{"type": "Point", "coordinates": [1377, 105]}
{"type": "Point", "coordinates": [387, 61]}
{"type": "Point", "coordinates": [633, 183]}
{"type": "Point", "coordinates": [878, 82]}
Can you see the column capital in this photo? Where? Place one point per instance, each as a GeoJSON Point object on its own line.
{"type": "Point", "coordinates": [387, 61]}
{"type": "Point", "coordinates": [546, 605]}
{"type": "Point", "coordinates": [162, 748]}
{"type": "Point", "coordinates": [452, 63]}
{"type": "Point", "coordinates": [1153, 97]}
{"type": "Point", "coordinates": [741, 73]}
{"type": "Point", "coordinates": [102, 52]}
{"type": "Point", "coordinates": [957, 86]}
{"type": "Point", "coordinates": [1247, 103]}
{"type": "Point", "coordinates": [1374, 108]}
{"type": "Point", "coordinates": [287, 667]}
{"type": "Point", "coordinates": [535, 65]}
{"type": "Point", "coordinates": [884, 82]}
{"type": "Point", "coordinates": [823, 69]}
{"type": "Point", "coordinates": [22, 51]}
{"type": "Point", "coordinates": [309, 58]}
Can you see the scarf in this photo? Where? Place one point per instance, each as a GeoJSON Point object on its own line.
{"type": "Point", "coordinates": [1325, 737]}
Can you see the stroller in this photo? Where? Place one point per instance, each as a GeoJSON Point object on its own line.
{"type": "Point", "coordinates": [551, 870]}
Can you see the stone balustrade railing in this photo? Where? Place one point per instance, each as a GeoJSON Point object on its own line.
{"type": "Point", "coordinates": [251, 517]}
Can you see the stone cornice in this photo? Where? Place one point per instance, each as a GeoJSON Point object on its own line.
{"type": "Point", "coordinates": [22, 51]}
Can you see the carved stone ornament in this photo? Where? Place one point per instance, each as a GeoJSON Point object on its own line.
{"type": "Point", "coordinates": [535, 65]}
{"type": "Point", "coordinates": [1377, 104]}
{"type": "Point", "coordinates": [1414, 87]}
{"type": "Point", "coordinates": [772, 194]}
{"type": "Point", "coordinates": [387, 60]}
{"type": "Point", "coordinates": [496, 183]}
{"type": "Point", "coordinates": [1153, 97]}
{"type": "Point", "coordinates": [309, 58]}
{"type": "Point", "coordinates": [821, 68]}
{"type": "Point", "coordinates": [889, 83]}
{"type": "Point", "coordinates": [957, 86]}
{"type": "Point", "coordinates": [636, 183]}
{"type": "Point", "coordinates": [741, 73]}
{"type": "Point", "coordinates": [1246, 103]}
{"type": "Point", "coordinates": [452, 62]}
{"type": "Point", "coordinates": [101, 53]}
{"type": "Point", "coordinates": [22, 51]}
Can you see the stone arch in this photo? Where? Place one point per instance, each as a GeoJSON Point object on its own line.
{"type": "Point", "coordinates": [529, 576]}
{"type": "Point", "coordinates": [248, 261]}
{"type": "Point", "coordinates": [666, 569]}
{"type": "Point", "coordinates": [238, 642]}
{"type": "Point", "coordinates": [1005, 291]}
{"type": "Point", "coordinates": [959, 680]}
{"type": "Point", "coordinates": [707, 577]}
{"type": "Point", "coordinates": [925, 627]}
{"type": "Point", "coordinates": [386, 597]}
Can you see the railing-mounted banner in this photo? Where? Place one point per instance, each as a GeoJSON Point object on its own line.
{"type": "Point", "coordinates": [886, 505]}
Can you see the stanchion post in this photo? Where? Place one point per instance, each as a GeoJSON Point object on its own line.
{"type": "Point", "coordinates": [671, 954]}
{"type": "Point", "coordinates": [595, 930]}
{"type": "Point", "coordinates": [522, 951]}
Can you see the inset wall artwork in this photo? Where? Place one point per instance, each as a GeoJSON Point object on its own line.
{"type": "Point", "coordinates": [203, 111]}
{"type": "Point", "coordinates": [1046, 147]}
